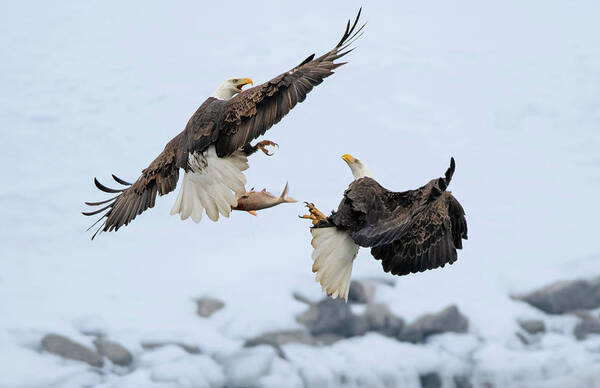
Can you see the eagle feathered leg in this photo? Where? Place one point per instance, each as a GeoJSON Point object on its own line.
{"type": "Point", "coordinates": [314, 214]}
{"type": "Point", "coordinates": [249, 149]}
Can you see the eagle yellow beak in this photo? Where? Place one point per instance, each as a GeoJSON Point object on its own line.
{"type": "Point", "coordinates": [348, 158]}
{"type": "Point", "coordinates": [244, 81]}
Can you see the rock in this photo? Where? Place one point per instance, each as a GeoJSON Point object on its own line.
{"type": "Point", "coordinates": [461, 381]}
{"type": "Point", "coordinates": [358, 325]}
{"type": "Point", "coordinates": [447, 320]}
{"type": "Point", "coordinates": [114, 351]}
{"type": "Point", "coordinates": [66, 348]}
{"type": "Point", "coordinates": [533, 326]}
{"type": "Point", "coordinates": [282, 338]}
{"type": "Point", "coordinates": [328, 339]}
{"type": "Point", "coordinates": [430, 380]}
{"type": "Point", "coordinates": [561, 297]}
{"type": "Point", "coordinates": [587, 325]}
{"type": "Point", "coordinates": [328, 316]}
{"type": "Point", "coordinates": [278, 338]}
{"type": "Point", "coordinates": [361, 291]}
{"type": "Point", "coordinates": [192, 349]}
{"type": "Point", "coordinates": [205, 307]}
{"type": "Point", "coordinates": [381, 320]}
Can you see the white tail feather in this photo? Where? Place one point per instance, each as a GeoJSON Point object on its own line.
{"type": "Point", "coordinates": [333, 256]}
{"type": "Point", "coordinates": [210, 185]}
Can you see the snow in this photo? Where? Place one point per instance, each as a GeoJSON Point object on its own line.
{"type": "Point", "coordinates": [193, 371]}
{"type": "Point", "coordinates": [17, 364]}
{"type": "Point", "coordinates": [511, 90]}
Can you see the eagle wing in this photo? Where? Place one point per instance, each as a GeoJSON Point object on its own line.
{"type": "Point", "coordinates": [408, 231]}
{"type": "Point", "coordinates": [428, 238]}
{"type": "Point", "coordinates": [160, 177]}
{"type": "Point", "coordinates": [255, 110]}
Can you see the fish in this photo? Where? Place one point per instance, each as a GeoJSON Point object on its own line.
{"type": "Point", "coordinates": [258, 200]}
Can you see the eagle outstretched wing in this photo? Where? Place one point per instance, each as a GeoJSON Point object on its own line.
{"type": "Point", "coordinates": [160, 177]}
{"type": "Point", "coordinates": [409, 231]}
{"type": "Point", "coordinates": [252, 112]}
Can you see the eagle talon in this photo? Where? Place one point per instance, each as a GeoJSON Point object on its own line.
{"type": "Point", "coordinates": [264, 144]}
{"type": "Point", "coordinates": [314, 214]}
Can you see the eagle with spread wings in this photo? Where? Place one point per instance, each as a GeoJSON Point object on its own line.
{"type": "Point", "coordinates": [409, 231]}
{"type": "Point", "coordinates": [214, 146]}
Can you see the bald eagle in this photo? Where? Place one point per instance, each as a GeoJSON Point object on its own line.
{"type": "Point", "coordinates": [410, 231]}
{"type": "Point", "coordinates": [214, 146]}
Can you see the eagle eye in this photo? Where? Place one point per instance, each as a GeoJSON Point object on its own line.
{"type": "Point", "coordinates": [235, 80]}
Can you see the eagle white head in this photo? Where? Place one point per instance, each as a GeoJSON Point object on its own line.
{"type": "Point", "coordinates": [230, 88]}
{"type": "Point", "coordinates": [359, 170]}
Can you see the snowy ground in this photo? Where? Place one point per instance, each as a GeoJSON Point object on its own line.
{"type": "Point", "coordinates": [512, 91]}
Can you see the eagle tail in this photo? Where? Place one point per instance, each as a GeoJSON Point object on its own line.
{"type": "Point", "coordinates": [209, 185]}
{"type": "Point", "coordinates": [333, 256]}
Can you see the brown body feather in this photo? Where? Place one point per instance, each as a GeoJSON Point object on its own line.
{"type": "Point", "coordinates": [227, 124]}
{"type": "Point", "coordinates": [410, 231]}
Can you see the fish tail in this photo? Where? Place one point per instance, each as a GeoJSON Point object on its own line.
{"type": "Point", "coordinates": [284, 195]}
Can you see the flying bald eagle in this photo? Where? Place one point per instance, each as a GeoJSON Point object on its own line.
{"type": "Point", "coordinates": [214, 146]}
{"type": "Point", "coordinates": [410, 231]}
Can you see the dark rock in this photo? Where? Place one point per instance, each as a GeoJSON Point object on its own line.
{"type": "Point", "coordinates": [533, 326]}
{"type": "Point", "coordinates": [114, 351]}
{"type": "Point", "coordinates": [461, 381]}
{"type": "Point", "coordinates": [282, 338]}
{"type": "Point", "coordinates": [430, 380]}
{"type": "Point", "coordinates": [192, 349]}
{"type": "Point", "coordinates": [358, 325]}
{"type": "Point", "coordinates": [205, 307]}
{"type": "Point", "coordinates": [328, 316]}
{"type": "Point", "coordinates": [447, 320]}
{"type": "Point", "coordinates": [565, 296]}
{"type": "Point", "coordinates": [361, 292]}
{"type": "Point", "coordinates": [278, 338]}
{"type": "Point", "coordinates": [328, 339]}
{"type": "Point", "coordinates": [381, 320]}
{"type": "Point", "coordinates": [587, 325]}
{"type": "Point", "coordinates": [66, 348]}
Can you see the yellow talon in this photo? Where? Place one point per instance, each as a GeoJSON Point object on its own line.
{"type": "Point", "coordinates": [314, 214]}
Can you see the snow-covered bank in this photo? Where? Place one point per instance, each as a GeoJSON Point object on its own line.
{"type": "Point", "coordinates": [336, 345]}
{"type": "Point", "coordinates": [510, 90]}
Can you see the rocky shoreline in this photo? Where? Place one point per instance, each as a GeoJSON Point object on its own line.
{"type": "Point", "coordinates": [325, 323]}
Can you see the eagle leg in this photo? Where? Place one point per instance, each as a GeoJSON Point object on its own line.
{"type": "Point", "coordinates": [314, 214]}
{"type": "Point", "coordinates": [249, 149]}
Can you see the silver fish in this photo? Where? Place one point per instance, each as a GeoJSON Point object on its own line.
{"type": "Point", "coordinates": [258, 200]}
